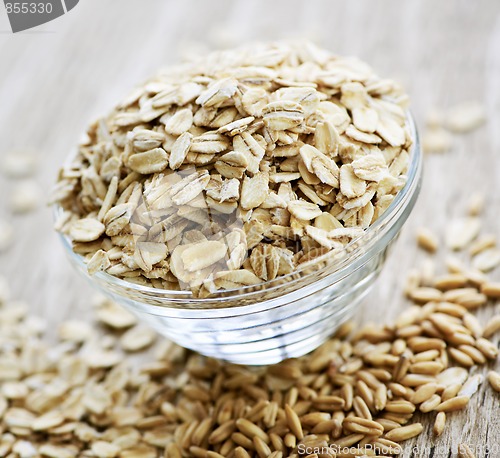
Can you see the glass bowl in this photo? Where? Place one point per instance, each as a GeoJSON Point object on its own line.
{"type": "Point", "coordinates": [284, 318]}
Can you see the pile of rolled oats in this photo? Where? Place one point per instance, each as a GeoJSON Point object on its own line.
{"type": "Point", "coordinates": [236, 169]}
{"type": "Point", "coordinates": [87, 397]}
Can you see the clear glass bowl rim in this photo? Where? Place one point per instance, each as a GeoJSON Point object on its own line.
{"type": "Point", "coordinates": [335, 273]}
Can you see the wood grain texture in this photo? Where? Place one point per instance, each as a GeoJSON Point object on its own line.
{"type": "Point", "coordinates": [54, 79]}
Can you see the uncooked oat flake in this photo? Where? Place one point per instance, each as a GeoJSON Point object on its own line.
{"type": "Point", "coordinates": [26, 196]}
{"type": "Point", "coordinates": [6, 236]}
{"type": "Point", "coordinates": [465, 116]}
{"type": "Point", "coordinates": [257, 144]}
{"type": "Point", "coordinates": [18, 164]}
{"type": "Point", "coordinates": [437, 140]}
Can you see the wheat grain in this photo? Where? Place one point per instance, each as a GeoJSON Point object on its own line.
{"type": "Point", "coordinates": [491, 289]}
{"type": "Point", "coordinates": [405, 432]}
{"type": "Point", "coordinates": [494, 380]}
{"type": "Point", "coordinates": [439, 424]}
{"type": "Point", "coordinates": [453, 404]}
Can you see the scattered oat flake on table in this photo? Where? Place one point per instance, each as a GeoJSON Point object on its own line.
{"type": "Point", "coordinates": [115, 316]}
{"type": "Point", "coordinates": [470, 387]}
{"type": "Point", "coordinates": [6, 235]}
{"type": "Point", "coordinates": [487, 260]}
{"type": "Point", "coordinates": [102, 359]}
{"type": "Point", "coordinates": [138, 338]}
{"type": "Point", "coordinates": [427, 240]}
{"type": "Point", "coordinates": [18, 165]}
{"type": "Point", "coordinates": [452, 375]}
{"type": "Point", "coordinates": [26, 197]}
{"type": "Point", "coordinates": [465, 117]}
{"type": "Point", "coordinates": [427, 272]}
{"type": "Point", "coordinates": [476, 203]}
{"type": "Point", "coordinates": [437, 140]}
{"type": "Point", "coordinates": [483, 242]}
{"type": "Point", "coordinates": [434, 118]}
{"type": "Point", "coordinates": [462, 231]}
{"type": "Point", "coordinates": [75, 331]}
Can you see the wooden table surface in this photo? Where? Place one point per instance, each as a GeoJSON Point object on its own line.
{"type": "Point", "coordinates": [57, 77]}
